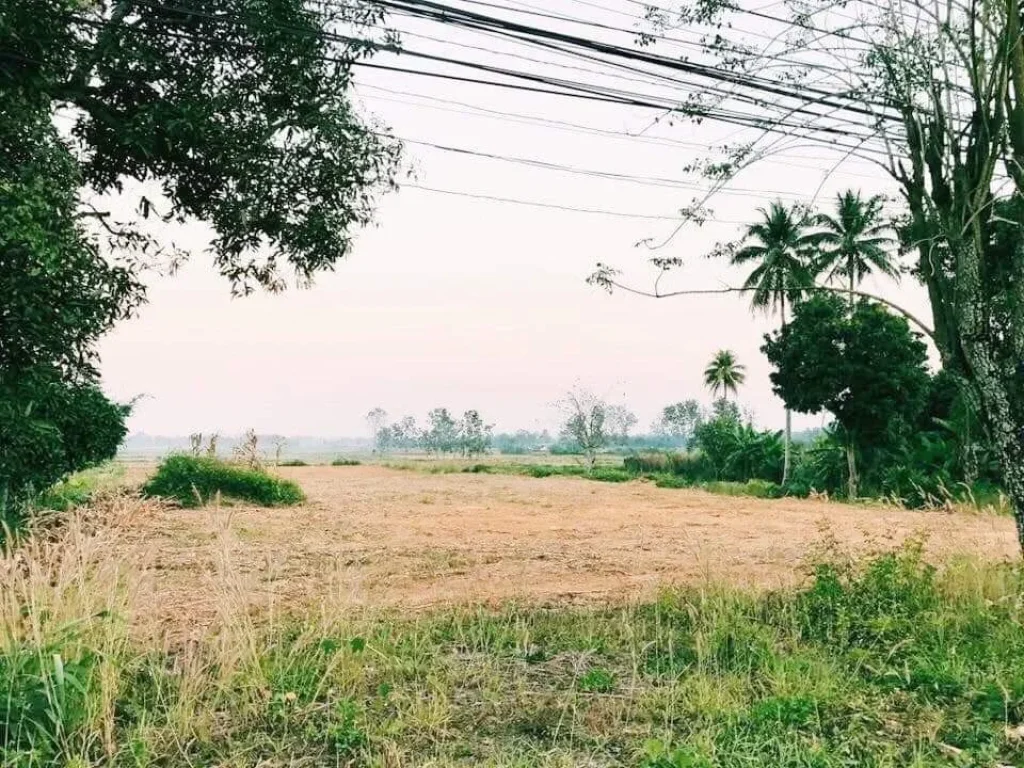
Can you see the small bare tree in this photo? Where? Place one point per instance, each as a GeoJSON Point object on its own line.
{"type": "Point", "coordinates": [377, 421]}
{"type": "Point", "coordinates": [279, 444]}
{"type": "Point", "coordinates": [211, 447]}
{"type": "Point", "coordinates": [248, 450]}
{"type": "Point", "coordinates": [584, 415]}
{"type": "Point", "coordinates": [195, 441]}
{"type": "Point", "coordinates": [619, 421]}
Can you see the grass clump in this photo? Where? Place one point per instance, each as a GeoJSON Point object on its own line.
{"type": "Point", "coordinates": [293, 463]}
{"type": "Point", "coordinates": [346, 463]}
{"type": "Point", "coordinates": [193, 481]}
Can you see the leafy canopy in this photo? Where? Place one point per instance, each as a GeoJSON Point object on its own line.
{"type": "Point", "coordinates": [865, 367]}
{"type": "Point", "coordinates": [237, 110]}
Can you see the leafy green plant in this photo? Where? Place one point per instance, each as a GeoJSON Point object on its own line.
{"type": "Point", "coordinates": [193, 481]}
{"type": "Point", "coordinates": [43, 699]}
{"type": "Point", "coordinates": [597, 681]}
{"type": "Point", "coordinates": [50, 428]}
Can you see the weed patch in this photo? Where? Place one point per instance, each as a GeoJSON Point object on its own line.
{"type": "Point", "coordinates": [193, 481]}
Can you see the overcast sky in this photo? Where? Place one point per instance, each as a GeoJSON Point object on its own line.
{"type": "Point", "coordinates": [470, 303]}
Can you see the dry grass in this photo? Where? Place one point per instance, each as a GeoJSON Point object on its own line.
{"type": "Point", "coordinates": [230, 636]}
{"type": "Point", "coordinates": [372, 537]}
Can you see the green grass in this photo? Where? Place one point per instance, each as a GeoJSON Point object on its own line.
{"type": "Point", "coordinates": [79, 488]}
{"type": "Point", "coordinates": [886, 665]}
{"type": "Point", "coordinates": [194, 481]}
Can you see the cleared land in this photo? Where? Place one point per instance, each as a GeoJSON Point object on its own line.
{"type": "Point", "coordinates": [376, 537]}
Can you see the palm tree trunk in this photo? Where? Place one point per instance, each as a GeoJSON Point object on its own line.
{"type": "Point", "coordinates": [853, 283]}
{"type": "Point", "coordinates": [787, 445]}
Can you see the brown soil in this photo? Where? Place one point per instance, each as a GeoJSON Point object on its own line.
{"type": "Point", "coordinates": [377, 537]}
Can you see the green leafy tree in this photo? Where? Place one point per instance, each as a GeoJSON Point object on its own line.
{"type": "Point", "coordinates": [236, 110]}
{"type": "Point", "coordinates": [724, 374]}
{"type": "Point", "coordinates": [442, 433]}
{"type": "Point", "coordinates": [782, 248]}
{"type": "Point", "coordinates": [853, 242]}
{"type": "Point", "coordinates": [474, 435]}
{"type": "Point", "coordinates": [866, 368]}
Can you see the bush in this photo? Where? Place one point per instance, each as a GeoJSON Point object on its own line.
{"type": "Point", "coordinates": [293, 463]}
{"type": "Point", "coordinates": [50, 428]}
{"type": "Point", "coordinates": [761, 489]}
{"type": "Point", "coordinates": [345, 463]}
{"type": "Point", "coordinates": [192, 481]}
{"type": "Point", "coordinates": [732, 450]}
{"type": "Point", "coordinates": [644, 463]}
{"type": "Point", "coordinates": [610, 475]}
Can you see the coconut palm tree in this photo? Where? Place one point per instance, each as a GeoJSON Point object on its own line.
{"type": "Point", "coordinates": [723, 374]}
{"type": "Point", "coordinates": [782, 247]}
{"type": "Point", "coordinates": [853, 243]}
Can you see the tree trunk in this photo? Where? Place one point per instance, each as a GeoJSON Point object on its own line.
{"type": "Point", "coordinates": [788, 447]}
{"type": "Point", "coordinates": [1013, 477]}
{"type": "Point", "coordinates": [851, 465]}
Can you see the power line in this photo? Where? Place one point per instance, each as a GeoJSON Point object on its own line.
{"type": "Point", "coordinates": [565, 87]}
{"type": "Point", "coordinates": [447, 14]}
{"type": "Point", "coordinates": [654, 181]}
{"type": "Point", "coordinates": [553, 206]}
{"type": "Point", "coordinates": [576, 128]}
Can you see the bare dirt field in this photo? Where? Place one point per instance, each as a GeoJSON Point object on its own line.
{"type": "Point", "coordinates": [375, 537]}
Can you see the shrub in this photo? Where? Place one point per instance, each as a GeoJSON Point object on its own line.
{"type": "Point", "coordinates": [50, 428]}
{"type": "Point", "coordinates": [610, 475]}
{"type": "Point", "coordinates": [647, 462]}
{"type": "Point", "coordinates": [192, 481]}
{"type": "Point", "coordinates": [293, 463]}
{"type": "Point", "coordinates": [732, 450]}
{"type": "Point", "coordinates": [672, 481]}
{"type": "Point", "coordinates": [345, 463]}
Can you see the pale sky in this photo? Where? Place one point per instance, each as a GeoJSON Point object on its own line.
{"type": "Point", "coordinates": [466, 303]}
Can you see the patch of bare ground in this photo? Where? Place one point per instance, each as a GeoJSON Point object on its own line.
{"type": "Point", "coordinates": [371, 537]}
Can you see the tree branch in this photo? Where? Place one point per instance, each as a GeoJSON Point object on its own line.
{"type": "Point", "coordinates": [609, 283]}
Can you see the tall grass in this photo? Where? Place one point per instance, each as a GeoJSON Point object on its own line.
{"type": "Point", "coordinates": [888, 662]}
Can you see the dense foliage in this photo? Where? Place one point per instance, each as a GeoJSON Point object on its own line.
{"type": "Point", "coordinates": [193, 481]}
{"type": "Point", "coordinates": [49, 428]}
{"type": "Point", "coordinates": [864, 366]}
